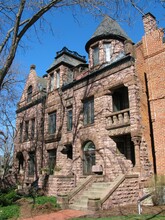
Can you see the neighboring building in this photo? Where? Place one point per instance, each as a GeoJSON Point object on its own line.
{"type": "Point", "coordinates": [99, 118]}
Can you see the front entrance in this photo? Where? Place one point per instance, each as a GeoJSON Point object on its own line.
{"type": "Point", "coordinates": [88, 157]}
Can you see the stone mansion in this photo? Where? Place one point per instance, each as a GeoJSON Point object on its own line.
{"type": "Point", "coordinates": [96, 123]}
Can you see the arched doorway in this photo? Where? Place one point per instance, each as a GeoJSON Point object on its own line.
{"type": "Point", "coordinates": [88, 157]}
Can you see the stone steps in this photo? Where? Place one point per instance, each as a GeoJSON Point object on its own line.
{"type": "Point", "coordinates": [97, 190]}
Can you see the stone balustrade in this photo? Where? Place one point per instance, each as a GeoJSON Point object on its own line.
{"type": "Point", "coordinates": [118, 119]}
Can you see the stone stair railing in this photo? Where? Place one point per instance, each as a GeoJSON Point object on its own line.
{"type": "Point", "coordinates": [64, 200]}
{"type": "Point", "coordinates": [88, 196]}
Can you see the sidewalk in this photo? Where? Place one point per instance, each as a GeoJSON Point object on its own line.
{"type": "Point", "coordinates": [60, 215]}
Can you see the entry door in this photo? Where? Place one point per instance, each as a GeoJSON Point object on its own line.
{"type": "Point", "coordinates": [89, 157]}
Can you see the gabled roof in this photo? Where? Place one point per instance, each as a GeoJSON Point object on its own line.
{"type": "Point", "coordinates": [108, 28]}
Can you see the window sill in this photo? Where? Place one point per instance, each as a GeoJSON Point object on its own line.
{"type": "Point", "coordinates": [89, 125]}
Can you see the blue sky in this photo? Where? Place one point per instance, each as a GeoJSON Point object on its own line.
{"type": "Point", "coordinates": [73, 33]}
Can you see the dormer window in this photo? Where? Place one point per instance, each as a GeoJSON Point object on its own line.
{"type": "Point", "coordinates": [95, 55]}
{"type": "Point", "coordinates": [107, 52]}
{"type": "Point", "coordinates": [51, 82]}
{"type": "Point", "coordinates": [58, 79]}
{"type": "Point", "coordinates": [29, 93]}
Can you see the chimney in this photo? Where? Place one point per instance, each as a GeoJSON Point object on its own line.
{"type": "Point", "coordinates": [32, 67]}
{"type": "Point", "coordinates": [149, 22]}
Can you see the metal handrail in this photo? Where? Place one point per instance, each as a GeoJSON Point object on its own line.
{"type": "Point", "coordinates": [142, 199]}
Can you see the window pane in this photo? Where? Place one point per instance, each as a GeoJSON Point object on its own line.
{"type": "Point", "coordinates": [58, 79]}
{"type": "Point", "coordinates": [51, 82]}
{"type": "Point", "coordinates": [69, 120]}
{"type": "Point", "coordinates": [52, 123]}
{"type": "Point", "coordinates": [89, 111]}
{"type": "Point", "coordinates": [69, 76]}
{"type": "Point", "coordinates": [107, 52]}
{"type": "Point", "coordinates": [26, 130]}
{"type": "Point", "coordinates": [33, 128]}
{"type": "Point", "coordinates": [31, 164]}
{"type": "Point", "coordinates": [29, 94]}
{"type": "Point", "coordinates": [95, 56]}
{"type": "Point", "coordinates": [52, 160]}
{"type": "Point", "coordinates": [21, 131]}
{"type": "Point", "coordinates": [120, 99]}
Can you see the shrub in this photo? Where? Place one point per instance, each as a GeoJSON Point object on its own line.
{"type": "Point", "coordinates": [8, 198]}
{"type": "Point", "coordinates": [9, 212]}
{"type": "Point", "coordinates": [41, 200]}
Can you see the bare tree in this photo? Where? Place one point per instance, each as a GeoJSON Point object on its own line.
{"type": "Point", "coordinates": [17, 17]}
{"type": "Point", "coordinates": [9, 99]}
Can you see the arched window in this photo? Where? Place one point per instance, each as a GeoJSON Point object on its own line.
{"type": "Point", "coordinates": [29, 93]}
{"type": "Point", "coordinates": [88, 157]}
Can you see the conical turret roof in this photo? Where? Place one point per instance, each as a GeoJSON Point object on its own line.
{"type": "Point", "coordinates": [107, 28]}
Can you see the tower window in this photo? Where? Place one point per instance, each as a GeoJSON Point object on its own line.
{"type": "Point", "coordinates": [29, 93]}
{"type": "Point", "coordinates": [107, 52]}
{"type": "Point", "coordinates": [95, 56]}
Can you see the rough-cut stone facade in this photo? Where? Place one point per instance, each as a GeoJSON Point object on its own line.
{"type": "Point", "coordinates": [95, 118]}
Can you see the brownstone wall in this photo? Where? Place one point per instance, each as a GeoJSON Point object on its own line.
{"type": "Point", "coordinates": [60, 185]}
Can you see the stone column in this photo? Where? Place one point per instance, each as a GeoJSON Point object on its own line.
{"type": "Point", "coordinates": [137, 140]}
